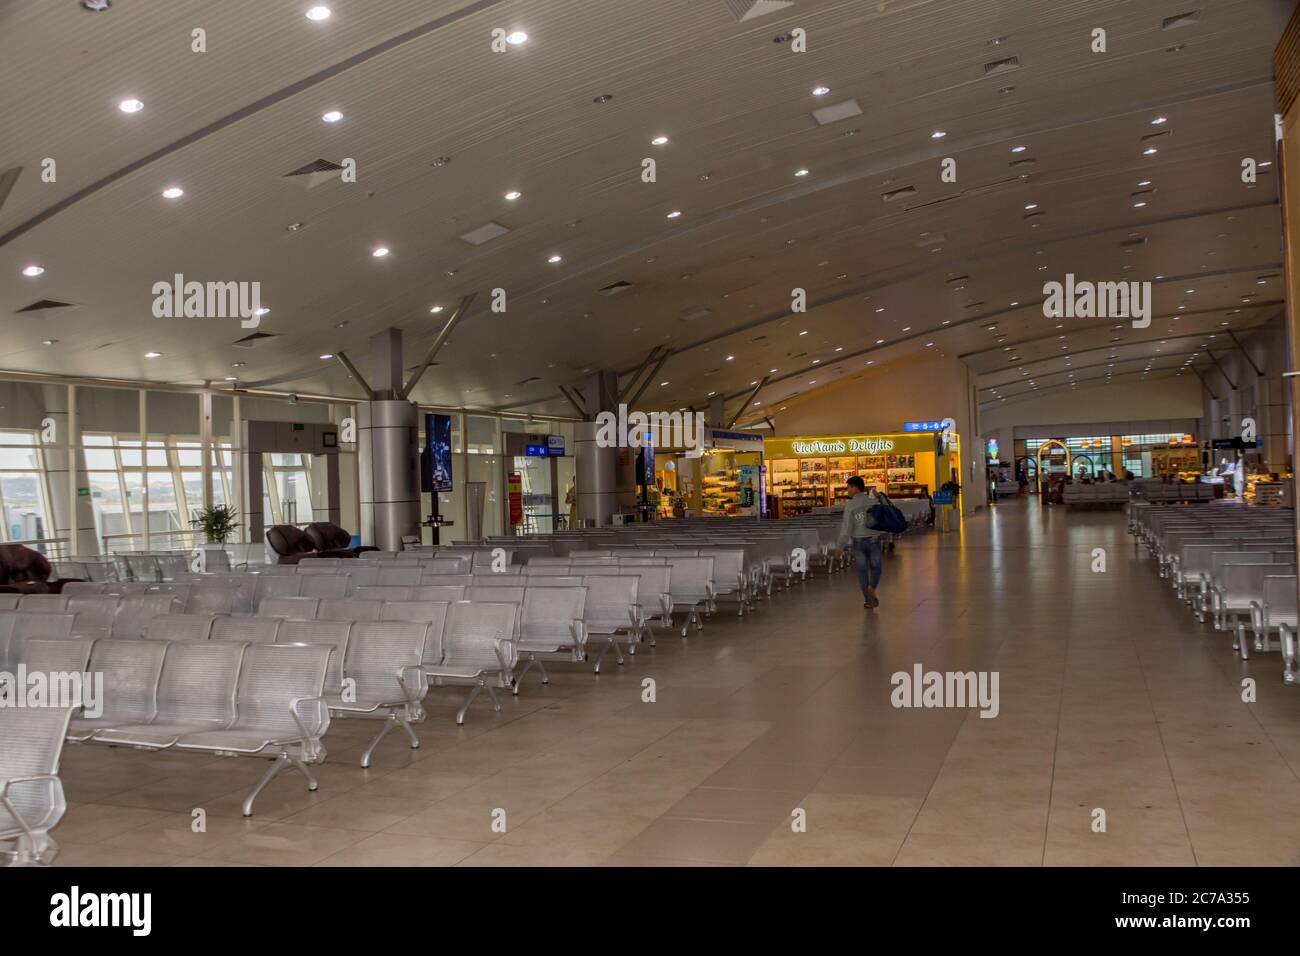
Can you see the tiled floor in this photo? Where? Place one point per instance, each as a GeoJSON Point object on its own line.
{"type": "Point", "coordinates": [1111, 697]}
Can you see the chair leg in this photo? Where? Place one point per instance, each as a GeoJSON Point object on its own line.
{"type": "Point", "coordinates": [518, 681]}
{"type": "Point", "coordinates": [380, 734]}
{"type": "Point", "coordinates": [474, 692]}
{"type": "Point", "coordinates": [1289, 654]}
{"type": "Point", "coordinates": [613, 643]}
{"type": "Point", "coordinates": [1239, 641]}
{"type": "Point", "coordinates": [280, 764]}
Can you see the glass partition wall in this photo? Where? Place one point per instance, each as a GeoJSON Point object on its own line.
{"type": "Point", "coordinates": [93, 469]}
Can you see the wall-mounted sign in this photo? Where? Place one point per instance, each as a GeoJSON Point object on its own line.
{"type": "Point", "coordinates": [537, 451]}
{"type": "Point", "coordinates": [993, 450]}
{"type": "Point", "coordinates": [737, 441]}
{"type": "Point", "coordinates": [1236, 443]}
{"type": "Point", "coordinates": [556, 445]}
{"type": "Point", "coordinates": [515, 486]}
{"type": "Point", "coordinates": [937, 425]}
{"type": "Point", "coordinates": [834, 445]}
{"type": "Point", "coordinates": [941, 498]}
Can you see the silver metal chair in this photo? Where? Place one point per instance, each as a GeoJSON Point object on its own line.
{"type": "Point", "coordinates": [348, 609]}
{"type": "Point", "coordinates": [179, 627]}
{"type": "Point", "coordinates": [383, 677]}
{"type": "Point", "coordinates": [478, 639]}
{"type": "Point", "coordinates": [550, 621]}
{"type": "Point", "coordinates": [611, 608]}
{"type": "Point", "coordinates": [131, 669]}
{"type": "Point", "coordinates": [289, 608]}
{"type": "Point", "coordinates": [135, 611]}
{"type": "Point", "coordinates": [253, 630]}
{"type": "Point", "coordinates": [31, 794]}
{"type": "Point", "coordinates": [280, 713]}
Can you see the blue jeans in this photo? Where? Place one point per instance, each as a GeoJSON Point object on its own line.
{"type": "Point", "coordinates": [867, 558]}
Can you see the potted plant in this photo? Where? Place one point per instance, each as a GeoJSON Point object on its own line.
{"type": "Point", "coordinates": [217, 523]}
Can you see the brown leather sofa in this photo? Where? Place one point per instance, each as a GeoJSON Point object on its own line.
{"type": "Point", "coordinates": [26, 571]}
{"type": "Point", "coordinates": [327, 536]}
{"type": "Point", "coordinates": [293, 544]}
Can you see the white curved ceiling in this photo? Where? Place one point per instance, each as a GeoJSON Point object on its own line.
{"type": "Point", "coordinates": [417, 80]}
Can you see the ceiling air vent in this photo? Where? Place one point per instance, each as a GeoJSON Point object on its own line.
{"type": "Point", "coordinates": [998, 67]}
{"type": "Point", "coordinates": [926, 241]}
{"type": "Point", "coordinates": [1139, 241]}
{"type": "Point", "coordinates": [1181, 20]}
{"type": "Point", "coordinates": [529, 380]}
{"type": "Point", "coordinates": [837, 112]}
{"type": "Point", "coordinates": [957, 279]}
{"type": "Point", "coordinates": [1022, 162]}
{"type": "Point", "coordinates": [44, 304]}
{"type": "Point", "coordinates": [905, 192]}
{"type": "Point", "coordinates": [696, 316]}
{"type": "Point", "coordinates": [1151, 136]}
{"type": "Point", "coordinates": [1036, 212]}
{"type": "Point", "coordinates": [484, 233]}
{"type": "Point", "coordinates": [315, 173]}
{"type": "Point", "coordinates": [253, 339]}
{"type": "Point", "coordinates": [744, 10]}
{"type": "Point", "coordinates": [615, 288]}
{"type": "Point", "coordinates": [973, 305]}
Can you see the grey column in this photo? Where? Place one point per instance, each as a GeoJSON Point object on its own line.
{"type": "Point", "coordinates": [388, 463]}
{"type": "Point", "coordinates": [597, 467]}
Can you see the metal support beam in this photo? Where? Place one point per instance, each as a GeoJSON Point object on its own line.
{"type": "Point", "coordinates": [654, 354]}
{"type": "Point", "coordinates": [572, 401]}
{"type": "Point", "coordinates": [1204, 383]}
{"type": "Point", "coordinates": [352, 370]}
{"type": "Point", "coordinates": [648, 379]}
{"type": "Point", "coordinates": [745, 404]}
{"type": "Point", "coordinates": [437, 345]}
{"type": "Point", "coordinates": [1219, 366]}
{"type": "Point", "coordinates": [770, 424]}
{"type": "Point", "coordinates": [1245, 354]}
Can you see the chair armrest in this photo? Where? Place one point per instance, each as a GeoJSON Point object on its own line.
{"type": "Point", "coordinates": [320, 723]}
{"type": "Point", "coordinates": [579, 631]}
{"type": "Point", "coordinates": [411, 679]}
{"type": "Point", "coordinates": [56, 787]}
{"type": "Point", "coordinates": [1258, 617]}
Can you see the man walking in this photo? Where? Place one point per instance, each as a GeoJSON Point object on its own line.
{"type": "Point", "coordinates": [856, 528]}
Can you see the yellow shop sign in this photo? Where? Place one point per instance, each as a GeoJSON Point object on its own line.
{"type": "Point", "coordinates": [834, 445]}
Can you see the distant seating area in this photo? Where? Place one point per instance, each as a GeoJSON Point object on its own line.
{"type": "Point", "coordinates": [1231, 563]}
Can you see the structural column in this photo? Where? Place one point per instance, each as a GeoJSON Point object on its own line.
{"type": "Point", "coordinates": [597, 464]}
{"type": "Point", "coordinates": [388, 451]}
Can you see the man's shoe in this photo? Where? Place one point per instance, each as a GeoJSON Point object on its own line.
{"type": "Point", "coordinates": [872, 600]}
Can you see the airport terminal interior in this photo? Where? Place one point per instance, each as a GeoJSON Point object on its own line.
{"type": "Point", "coordinates": [680, 433]}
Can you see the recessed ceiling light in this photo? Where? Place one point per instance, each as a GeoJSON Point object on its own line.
{"type": "Point", "coordinates": [907, 328]}
{"type": "Point", "coordinates": [815, 362]}
{"type": "Point", "coordinates": [820, 90]}
{"type": "Point", "coordinates": [130, 106]}
{"type": "Point", "coordinates": [49, 341]}
{"type": "Point", "coordinates": [839, 348]}
{"type": "Point", "coordinates": [662, 384]}
{"type": "Point", "coordinates": [1160, 121]}
{"type": "Point", "coordinates": [938, 134]}
{"type": "Point", "coordinates": [1018, 149]}
{"type": "Point", "coordinates": [659, 141]}
{"type": "Point", "coordinates": [333, 116]}
{"type": "Point", "coordinates": [295, 226]}
{"type": "Point", "coordinates": [96, 6]}
{"type": "Point", "coordinates": [1150, 151]}
{"type": "Point", "coordinates": [173, 192]}
{"type": "Point", "coordinates": [881, 309]}
{"type": "Point", "coordinates": [674, 214]}
{"type": "Point", "coordinates": [1138, 205]}
{"type": "Point", "coordinates": [380, 252]}
{"type": "Point", "coordinates": [1030, 206]}
{"type": "Point", "coordinates": [516, 38]}
{"type": "Point", "coordinates": [513, 195]}
{"type": "Point", "coordinates": [772, 371]}
{"type": "Point", "coordinates": [232, 378]}
{"type": "Point", "coordinates": [436, 309]}
{"type": "Point", "coordinates": [261, 311]}
{"type": "Point", "coordinates": [33, 271]}
{"type": "Point", "coordinates": [801, 172]}
{"type": "Point", "coordinates": [555, 258]}
{"type": "Point", "coordinates": [880, 341]}
{"type": "Point", "coordinates": [804, 332]}
{"type": "Point", "coordinates": [730, 357]}
{"type": "Point", "coordinates": [327, 356]}
{"type": "Point", "coordinates": [1145, 182]}
{"type": "Point", "coordinates": [318, 13]}
{"type": "Point", "coordinates": [152, 355]}
{"type": "Point", "coordinates": [602, 99]}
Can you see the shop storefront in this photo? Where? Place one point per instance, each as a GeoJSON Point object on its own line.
{"type": "Point", "coordinates": [807, 473]}
{"type": "Point", "coordinates": [723, 478]}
